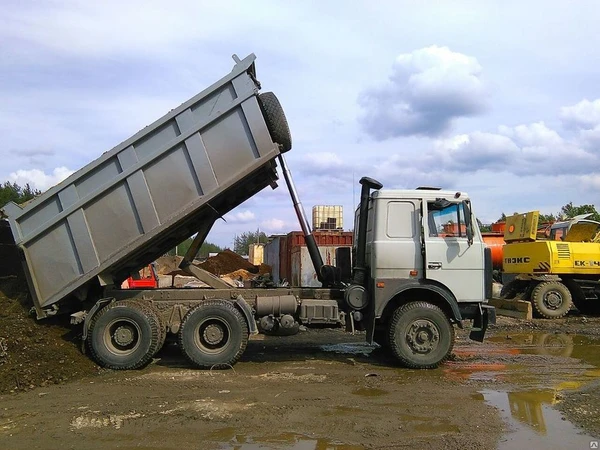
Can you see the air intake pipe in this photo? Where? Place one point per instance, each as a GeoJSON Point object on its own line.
{"type": "Point", "coordinates": [360, 268]}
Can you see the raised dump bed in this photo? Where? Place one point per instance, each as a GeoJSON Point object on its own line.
{"type": "Point", "coordinates": [149, 193]}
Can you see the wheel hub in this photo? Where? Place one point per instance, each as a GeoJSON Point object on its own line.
{"type": "Point", "coordinates": [553, 300]}
{"type": "Point", "coordinates": [422, 336]}
{"type": "Point", "coordinates": [213, 334]}
{"type": "Point", "coordinates": [124, 336]}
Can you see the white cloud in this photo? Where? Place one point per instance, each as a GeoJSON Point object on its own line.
{"type": "Point", "coordinates": [273, 225]}
{"type": "Point", "coordinates": [583, 115]}
{"type": "Point", "coordinates": [426, 91]}
{"type": "Point", "coordinates": [534, 134]}
{"type": "Point", "coordinates": [245, 216]}
{"type": "Point", "coordinates": [591, 181]}
{"type": "Point", "coordinates": [525, 150]}
{"type": "Point", "coordinates": [38, 179]}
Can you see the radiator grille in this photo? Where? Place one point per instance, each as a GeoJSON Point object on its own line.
{"type": "Point", "coordinates": [563, 251]}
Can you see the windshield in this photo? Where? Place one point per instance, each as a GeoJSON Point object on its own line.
{"type": "Point", "coordinates": [448, 221]}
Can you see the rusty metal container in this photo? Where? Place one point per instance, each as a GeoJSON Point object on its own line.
{"type": "Point", "coordinates": [498, 227]}
{"type": "Point", "coordinates": [300, 270]}
{"type": "Point", "coordinates": [272, 255]}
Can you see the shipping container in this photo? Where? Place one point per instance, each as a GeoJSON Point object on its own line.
{"type": "Point", "coordinates": [302, 268]}
{"type": "Point", "coordinates": [295, 265]}
{"type": "Point", "coordinates": [271, 255]}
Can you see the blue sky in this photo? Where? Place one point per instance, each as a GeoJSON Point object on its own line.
{"type": "Point", "coordinates": [499, 98]}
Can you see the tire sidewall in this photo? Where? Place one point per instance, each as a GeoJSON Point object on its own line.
{"type": "Point", "coordinates": [229, 353]}
{"type": "Point", "coordinates": [108, 358]}
{"type": "Point", "coordinates": [402, 349]}
{"type": "Point", "coordinates": [543, 289]}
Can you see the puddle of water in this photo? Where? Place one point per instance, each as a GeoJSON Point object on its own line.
{"type": "Point", "coordinates": [354, 348]}
{"type": "Point", "coordinates": [369, 392]}
{"type": "Point", "coordinates": [529, 409]}
{"type": "Point", "coordinates": [230, 440]}
{"type": "Point", "coordinates": [580, 347]}
{"type": "Point", "coordinates": [533, 423]}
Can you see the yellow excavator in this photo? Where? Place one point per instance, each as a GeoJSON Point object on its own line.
{"type": "Point", "coordinates": [555, 271]}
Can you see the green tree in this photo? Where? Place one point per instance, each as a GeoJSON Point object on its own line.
{"type": "Point", "coordinates": [569, 211]}
{"type": "Point", "coordinates": [483, 228]}
{"type": "Point", "coordinates": [205, 248]}
{"type": "Point", "coordinates": [544, 218]}
{"type": "Point", "coordinates": [12, 192]}
{"type": "Point", "coordinates": [242, 242]}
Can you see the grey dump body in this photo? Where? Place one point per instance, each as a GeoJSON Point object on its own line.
{"type": "Point", "coordinates": [146, 195]}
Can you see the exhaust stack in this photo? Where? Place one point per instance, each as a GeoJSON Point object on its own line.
{"type": "Point", "coordinates": [361, 245]}
{"type": "Point", "coordinates": [356, 294]}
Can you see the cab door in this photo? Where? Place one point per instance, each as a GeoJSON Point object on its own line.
{"type": "Point", "coordinates": [454, 251]}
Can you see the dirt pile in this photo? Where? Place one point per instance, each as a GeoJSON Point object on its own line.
{"type": "Point", "coordinates": [227, 262]}
{"type": "Point", "coordinates": [35, 353]}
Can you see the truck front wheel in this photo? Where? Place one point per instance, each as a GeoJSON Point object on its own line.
{"type": "Point", "coordinates": [420, 335]}
{"type": "Point", "coordinates": [123, 335]}
{"type": "Point", "coordinates": [213, 334]}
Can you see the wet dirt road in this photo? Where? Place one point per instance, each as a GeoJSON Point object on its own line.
{"type": "Point", "coordinates": [297, 393]}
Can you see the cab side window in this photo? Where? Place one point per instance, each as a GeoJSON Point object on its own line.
{"type": "Point", "coordinates": [446, 222]}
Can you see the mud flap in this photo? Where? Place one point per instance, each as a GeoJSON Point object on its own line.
{"type": "Point", "coordinates": [486, 315]}
{"type": "Point", "coordinates": [89, 316]}
{"type": "Point", "coordinates": [247, 311]}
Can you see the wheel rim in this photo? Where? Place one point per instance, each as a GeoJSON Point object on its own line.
{"type": "Point", "coordinates": [212, 335]}
{"type": "Point", "coordinates": [552, 300]}
{"type": "Point", "coordinates": [423, 336]}
{"type": "Point", "coordinates": [122, 337]}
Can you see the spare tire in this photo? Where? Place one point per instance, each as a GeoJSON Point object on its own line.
{"type": "Point", "coordinates": [275, 119]}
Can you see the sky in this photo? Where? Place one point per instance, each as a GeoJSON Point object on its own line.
{"type": "Point", "coordinates": [499, 99]}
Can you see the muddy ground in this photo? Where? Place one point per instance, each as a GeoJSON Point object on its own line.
{"type": "Point", "coordinates": [531, 384]}
{"type": "Point", "coordinates": [325, 389]}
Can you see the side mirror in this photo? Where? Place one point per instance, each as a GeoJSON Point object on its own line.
{"type": "Point", "coordinates": [468, 221]}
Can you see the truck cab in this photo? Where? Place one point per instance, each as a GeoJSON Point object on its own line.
{"type": "Point", "coordinates": [428, 269]}
{"type": "Point", "coordinates": [429, 237]}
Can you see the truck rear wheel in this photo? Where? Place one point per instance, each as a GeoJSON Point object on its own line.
{"type": "Point", "coordinates": [213, 334]}
{"type": "Point", "coordinates": [551, 299]}
{"type": "Point", "coordinates": [275, 119]}
{"type": "Point", "coordinates": [162, 326]}
{"type": "Point", "coordinates": [123, 335]}
{"type": "Point", "coordinates": [420, 335]}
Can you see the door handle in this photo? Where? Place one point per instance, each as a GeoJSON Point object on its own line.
{"type": "Point", "coordinates": [435, 265]}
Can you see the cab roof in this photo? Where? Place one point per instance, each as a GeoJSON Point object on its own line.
{"type": "Point", "coordinates": [427, 194]}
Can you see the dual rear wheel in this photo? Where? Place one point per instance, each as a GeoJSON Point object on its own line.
{"type": "Point", "coordinates": [127, 334]}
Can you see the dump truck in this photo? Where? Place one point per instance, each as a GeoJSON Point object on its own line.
{"type": "Point", "coordinates": [555, 272]}
{"type": "Point", "coordinates": [408, 282]}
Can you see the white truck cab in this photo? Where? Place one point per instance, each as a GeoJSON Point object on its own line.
{"type": "Point", "coordinates": [428, 268]}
